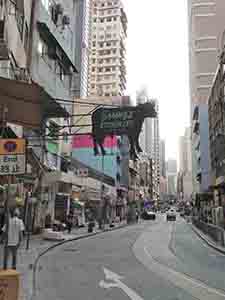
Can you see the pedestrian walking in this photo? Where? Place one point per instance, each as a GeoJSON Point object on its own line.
{"type": "Point", "coordinates": [15, 235]}
{"type": "Point", "coordinates": [69, 222]}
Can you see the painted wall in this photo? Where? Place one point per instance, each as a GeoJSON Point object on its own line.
{"type": "Point", "coordinates": [82, 150]}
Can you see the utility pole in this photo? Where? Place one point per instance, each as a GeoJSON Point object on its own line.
{"type": "Point", "coordinates": [6, 196]}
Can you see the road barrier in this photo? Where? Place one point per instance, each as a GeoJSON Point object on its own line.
{"type": "Point", "coordinates": [215, 232]}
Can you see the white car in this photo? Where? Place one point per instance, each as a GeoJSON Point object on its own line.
{"type": "Point", "coordinates": [171, 215]}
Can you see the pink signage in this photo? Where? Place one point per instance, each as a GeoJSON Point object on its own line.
{"type": "Point", "coordinates": [86, 141]}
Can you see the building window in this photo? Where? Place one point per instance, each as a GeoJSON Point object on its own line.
{"type": "Point", "coordinates": [93, 69]}
{"type": "Point", "coordinates": [40, 47]}
{"type": "Point", "coordinates": [93, 60]}
{"type": "Point", "coordinates": [20, 23]}
{"type": "Point", "coordinates": [46, 4]}
{"type": "Point", "coordinates": [26, 37]}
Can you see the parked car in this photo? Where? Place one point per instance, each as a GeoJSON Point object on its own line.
{"type": "Point", "coordinates": [148, 215]}
{"type": "Point", "coordinates": [171, 215]}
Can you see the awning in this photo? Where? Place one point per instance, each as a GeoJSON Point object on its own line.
{"type": "Point", "coordinates": [20, 97]}
{"type": "Point", "coordinates": [49, 38]}
{"type": "Point", "coordinates": [7, 133]}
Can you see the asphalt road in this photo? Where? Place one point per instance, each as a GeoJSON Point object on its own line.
{"type": "Point", "coordinates": [154, 260]}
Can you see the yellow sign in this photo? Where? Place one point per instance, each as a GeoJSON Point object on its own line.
{"type": "Point", "coordinates": [9, 285]}
{"type": "Point", "coordinates": [12, 147]}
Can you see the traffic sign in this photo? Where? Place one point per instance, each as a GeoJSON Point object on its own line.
{"type": "Point", "coordinates": [12, 164]}
{"type": "Point", "coordinates": [12, 146]}
{"type": "Point", "coordinates": [12, 156]}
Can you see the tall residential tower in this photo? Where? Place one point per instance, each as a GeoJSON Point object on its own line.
{"type": "Point", "coordinates": [107, 70]}
{"type": "Point", "coordinates": [206, 37]}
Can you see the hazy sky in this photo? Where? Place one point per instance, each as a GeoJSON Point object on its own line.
{"type": "Point", "coordinates": [158, 59]}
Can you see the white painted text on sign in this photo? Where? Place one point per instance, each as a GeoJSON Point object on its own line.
{"type": "Point", "coordinates": [12, 164]}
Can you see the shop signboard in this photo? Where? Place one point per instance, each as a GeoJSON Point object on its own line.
{"type": "Point", "coordinates": [121, 121]}
{"type": "Point", "coordinates": [12, 156]}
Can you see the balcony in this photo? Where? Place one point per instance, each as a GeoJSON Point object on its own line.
{"type": "Point", "coordinates": [4, 49]}
{"type": "Point", "coordinates": [57, 26]}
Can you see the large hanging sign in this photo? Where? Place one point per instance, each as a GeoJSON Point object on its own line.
{"type": "Point", "coordinates": [12, 156]}
{"type": "Point", "coordinates": [121, 121]}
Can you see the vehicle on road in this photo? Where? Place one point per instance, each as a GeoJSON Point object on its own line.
{"type": "Point", "coordinates": [148, 215]}
{"type": "Point", "coordinates": [171, 215]}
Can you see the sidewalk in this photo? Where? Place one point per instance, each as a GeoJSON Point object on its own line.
{"type": "Point", "coordinates": [26, 258]}
{"type": "Point", "coordinates": [207, 239]}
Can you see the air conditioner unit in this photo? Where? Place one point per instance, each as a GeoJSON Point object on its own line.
{"type": "Point", "coordinates": [66, 20]}
{"type": "Point", "coordinates": [52, 53]}
{"type": "Point", "coordinates": [59, 9]}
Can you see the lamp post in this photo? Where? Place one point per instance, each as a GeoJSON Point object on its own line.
{"type": "Point", "coordinates": [31, 202]}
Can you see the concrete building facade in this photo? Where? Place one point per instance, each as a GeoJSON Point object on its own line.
{"type": "Point", "coordinates": [162, 151]}
{"type": "Point", "coordinates": [206, 36]}
{"type": "Point", "coordinates": [82, 34]}
{"type": "Point", "coordinates": [107, 68]}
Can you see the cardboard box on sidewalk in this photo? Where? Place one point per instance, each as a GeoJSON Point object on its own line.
{"type": "Point", "coordinates": [9, 285]}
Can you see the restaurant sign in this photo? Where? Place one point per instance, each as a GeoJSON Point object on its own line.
{"type": "Point", "coordinates": [12, 156]}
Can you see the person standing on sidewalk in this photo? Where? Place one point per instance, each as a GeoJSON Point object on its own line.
{"type": "Point", "coordinates": [69, 222]}
{"type": "Point", "coordinates": [15, 235]}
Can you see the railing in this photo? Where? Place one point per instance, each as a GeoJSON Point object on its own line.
{"type": "Point", "coordinates": [215, 232]}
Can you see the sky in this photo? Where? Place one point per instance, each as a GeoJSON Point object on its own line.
{"type": "Point", "coordinates": [157, 49]}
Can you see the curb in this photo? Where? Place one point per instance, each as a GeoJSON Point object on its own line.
{"type": "Point", "coordinates": [206, 240]}
{"type": "Point", "coordinates": [36, 261]}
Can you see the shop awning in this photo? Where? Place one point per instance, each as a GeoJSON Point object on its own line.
{"type": "Point", "coordinates": [20, 97]}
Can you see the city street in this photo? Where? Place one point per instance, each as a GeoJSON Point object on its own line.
{"type": "Point", "coordinates": [149, 261]}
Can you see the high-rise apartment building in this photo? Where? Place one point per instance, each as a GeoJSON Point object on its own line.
{"type": "Point", "coordinates": [185, 161]}
{"type": "Point", "coordinates": [185, 189]}
{"type": "Point", "coordinates": [171, 172]}
{"type": "Point", "coordinates": [162, 151]}
{"type": "Point", "coordinates": [206, 37]}
{"type": "Point", "coordinates": [107, 69]}
{"type": "Point", "coordinates": [82, 32]}
{"type": "Point", "coordinates": [153, 141]}
{"type": "Point", "coordinates": [149, 138]}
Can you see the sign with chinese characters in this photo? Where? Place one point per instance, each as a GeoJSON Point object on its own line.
{"type": "Point", "coordinates": [12, 156]}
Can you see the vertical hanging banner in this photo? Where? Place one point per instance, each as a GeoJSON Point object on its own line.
{"type": "Point", "coordinates": [12, 156]}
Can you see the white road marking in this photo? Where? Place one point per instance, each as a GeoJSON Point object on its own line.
{"type": "Point", "coordinates": [117, 283]}
{"type": "Point", "coordinates": [185, 277]}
